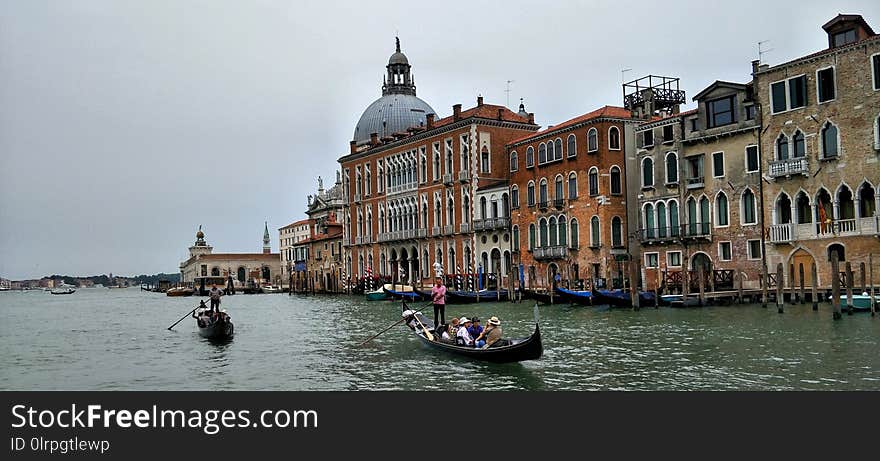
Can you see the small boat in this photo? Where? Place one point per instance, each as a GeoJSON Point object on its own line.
{"type": "Point", "coordinates": [271, 289]}
{"type": "Point", "coordinates": [180, 291]}
{"type": "Point", "coordinates": [377, 295]}
{"type": "Point", "coordinates": [470, 297]}
{"type": "Point", "coordinates": [509, 350]}
{"type": "Point", "coordinates": [584, 298]}
{"type": "Point", "coordinates": [63, 290]}
{"type": "Point", "coordinates": [621, 298]}
{"type": "Point", "coordinates": [403, 293]}
{"type": "Point", "coordinates": [679, 301]}
{"type": "Point", "coordinates": [545, 297]}
{"type": "Point", "coordinates": [861, 303]}
{"type": "Point", "coordinates": [214, 328]}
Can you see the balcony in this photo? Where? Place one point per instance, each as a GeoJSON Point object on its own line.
{"type": "Point", "coordinates": [548, 253]}
{"type": "Point", "coordinates": [696, 231]}
{"type": "Point", "coordinates": [789, 168]}
{"type": "Point", "coordinates": [447, 179]}
{"type": "Point", "coordinates": [464, 228]}
{"type": "Point", "coordinates": [786, 233]}
{"type": "Point", "coordinates": [357, 197]}
{"type": "Point", "coordinates": [659, 235]}
{"type": "Point", "coordinates": [491, 224]}
{"type": "Point", "coordinates": [396, 236]}
{"type": "Point", "coordinates": [358, 240]}
{"type": "Point", "coordinates": [366, 239]}
{"type": "Point", "coordinates": [421, 233]}
{"type": "Point", "coordinates": [559, 203]}
{"type": "Point", "coordinates": [464, 176]}
{"type": "Point", "coordinates": [400, 188]}
{"type": "Point", "coordinates": [435, 231]}
{"type": "Point", "coordinates": [448, 229]}
{"type": "Point", "coordinates": [782, 233]}
{"type": "Point", "coordinates": [543, 205]}
{"type": "Point", "coordinates": [346, 241]}
{"type": "Point", "coordinates": [696, 183]}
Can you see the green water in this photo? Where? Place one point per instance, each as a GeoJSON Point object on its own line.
{"type": "Point", "coordinates": [117, 339]}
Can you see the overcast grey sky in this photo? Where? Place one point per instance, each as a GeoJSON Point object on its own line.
{"type": "Point", "coordinates": [126, 124]}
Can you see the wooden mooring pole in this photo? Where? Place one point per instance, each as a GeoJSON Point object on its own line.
{"type": "Point", "coordinates": [835, 286]}
{"type": "Point", "coordinates": [849, 288]}
{"type": "Point", "coordinates": [814, 284]}
{"type": "Point", "coordinates": [871, 281]}
{"type": "Point", "coordinates": [862, 274]}
{"type": "Point", "coordinates": [739, 286]}
{"type": "Point", "coordinates": [764, 282]}
{"type": "Point", "coordinates": [791, 284]}
{"type": "Point", "coordinates": [701, 282]}
{"type": "Point", "coordinates": [803, 295]}
{"type": "Point", "coordinates": [780, 293]}
{"type": "Point", "coordinates": [634, 270]}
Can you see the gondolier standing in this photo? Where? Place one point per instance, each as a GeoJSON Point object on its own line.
{"type": "Point", "coordinates": [438, 296]}
{"type": "Point", "coordinates": [215, 298]}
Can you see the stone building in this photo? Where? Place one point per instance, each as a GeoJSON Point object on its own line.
{"type": "Point", "coordinates": [821, 151]}
{"type": "Point", "coordinates": [492, 236]}
{"type": "Point", "coordinates": [410, 179]}
{"type": "Point", "coordinates": [245, 268]}
{"type": "Point", "coordinates": [568, 203]}
{"type": "Point", "coordinates": [293, 253]}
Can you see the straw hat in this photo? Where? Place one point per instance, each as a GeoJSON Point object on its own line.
{"type": "Point", "coordinates": [494, 321]}
{"type": "Point", "coordinates": [464, 320]}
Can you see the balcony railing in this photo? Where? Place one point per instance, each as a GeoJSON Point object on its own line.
{"type": "Point", "coordinates": [464, 228]}
{"type": "Point", "coordinates": [559, 203]}
{"type": "Point", "coordinates": [401, 235]}
{"type": "Point", "coordinates": [547, 253]}
{"type": "Point", "coordinates": [464, 176]}
{"type": "Point", "coordinates": [448, 229]}
{"type": "Point", "coordinates": [782, 233]}
{"type": "Point", "coordinates": [357, 197]}
{"type": "Point", "coordinates": [491, 224]}
{"type": "Point", "coordinates": [408, 187]}
{"type": "Point", "coordinates": [367, 239]}
{"type": "Point", "coordinates": [696, 231]}
{"type": "Point", "coordinates": [358, 240]}
{"type": "Point", "coordinates": [435, 231]}
{"type": "Point", "coordinates": [790, 167]}
{"type": "Point", "coordinates": [543, 205]}
{"type": "Point", "coordinates": [792, 232]}
{"type": "Point", "coordinates": [421, 233]}
{"type": "Point", "coordinates": [346, 241]}
{"type": "Point", "coordinates": [696, 183]}
{"type": "Point", "coordinates": [447, 179]}
{"type": "Point", "coordinates": [659, 234]}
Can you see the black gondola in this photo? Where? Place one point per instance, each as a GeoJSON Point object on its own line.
{"type": "Point", "coordinates": [621, 298]}
{"type": "Point", "coordinates": [211, 328]}
{"type": "Point", "coordinates": [544, 297]}
{"type": "Point", "coordinates": [511, 350]}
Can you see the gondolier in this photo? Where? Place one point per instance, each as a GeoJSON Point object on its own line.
{"type": "Point", "coordinates": [438, 297]}
{"type": "Point", "coordinates": [215, 298]}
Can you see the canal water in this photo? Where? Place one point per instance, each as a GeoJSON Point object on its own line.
{"type": "Point", "coordinates": [117, 340]}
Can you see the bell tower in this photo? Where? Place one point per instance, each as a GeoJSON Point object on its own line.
{"type": "Point", "coordinates": [267, 248]}
{"type": "Point", "coordinates": [399, 79]}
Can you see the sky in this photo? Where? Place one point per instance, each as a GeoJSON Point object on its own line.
{"type": "Point", "coordinates": [124, 125]}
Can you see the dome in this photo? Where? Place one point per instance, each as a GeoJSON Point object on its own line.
{"type": "Point", "coordinates": [200, 235]}
{"type": "Point", "coordinates": [391, 113]}
{"type": "Point", "coordinates": [398, 58]}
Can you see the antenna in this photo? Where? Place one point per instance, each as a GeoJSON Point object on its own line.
{"type": "Point", "coordinates": [508, 92]}
{"type": "Point", "coordinates": [623, 75]}
{"type": "Point", "coordinates": [762, 51]}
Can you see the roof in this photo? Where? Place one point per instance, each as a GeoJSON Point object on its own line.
{"type": "Point", "coordinates": [297, 223]}
{"type": "Point", "coordinates": [238, 256]}
{"type": "Point", "coordinates": [604, 112]}
{"type": "Point", "coordinates": [818, 54]}
{"type": "Point", "coordinates": [389, 114]}
{"type": "Point", "coordinates": [719, 84]}
{"type": "Point", "coordinates": [486, 184]}
{"type": "Point", "coordinates": [849, 18]}
{"type": "Point", "coordinates": [488, 111]}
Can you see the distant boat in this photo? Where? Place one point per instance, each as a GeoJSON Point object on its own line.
{"type": "Point", "coordinates": [861, 303]}
{"type": "Point", "coordinates": [584, 297]}
{"type": "Point", "coordinates": [180, 291]}
{"type": "Point", "coordinates": [621, 298]}
{"type": "Point", "coordinates": [4, 288]}
{"type": "Point", "coordinates": [470, 297]}
{"type": "Point", "coordinates": [377, 295]}
{"type": "Point", "coordinates": [544, 297]}
{"type": "Point", "coordinates": [405, 292]}
{"type": "Point", "coordinates": [63, 290]}
{"type": "Point", "coordinates": [271, 289]}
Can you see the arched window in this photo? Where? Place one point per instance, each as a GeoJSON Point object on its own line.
{"type": "Point", "coordinates": [616, 232]}
{"type": "Point", "coordinates": [514, 197]}
{"type": "Point", "coordinates": [514, 161]}
{"type": "Point", "coordinates": [542, 225]}
{"type": "Point", "coordinates": [530, 157]}
{"type": "Point", "coordinates": [846, 206]}
{"type": "Point", "coordinates": [485, 161]}
{"type": "Point", "coordinates": [593, 140]}
{"type": "Point", "coordinates": [515, 233]}
{"type": "Point", "coordinates": [749, 215]}
{"type": "Point", "coordinates": [542, 192]}
{"type": "Point", "coordinates": [595, 236]}
{"type": "Point", "coordinates": [558, 151]}
{"type": "Point", "coordinates": [563, 240]}
{"type": "Point", "coordinates": [542, 153]}
{"type": "Point", "coordinates": [594, 181]}
{"type": "Point", "coordinates": [572, 186]}
{"type": "Point", "coordinates": [650, 224]}
{"type": "Point", "coordinates": [559, 194]}
{"type": "Point", "coordinates": [532, 236]}
{"type": "Point", "coordinates": [671, 168]}
{"type": "Point", "coordinates": [722, 214]}
{"type": "Point", "coordinates": [782, 147]}
{"type": "Point", "coordinates": [692, 217]}
{"type": "Point", "coordinates": [554, 233]}
{"type": "Point", "coordinates": [647, 172]}
{"type": "Point", "coordinates": [800, 146]}
{"type": "Point", "coordinates": [466, 209]}
{"type": "Point", "coordinates": [673, 218]}
{"type": "Point", "coordinates": [483, 214]}
{"type": "Point", "coordinates": [575, 236]}
{"type": "Point", "coordinates": [839, 249]}
{"type": "Point", "coordinates": [572, 145]}
{"type": "Point", "coordinates": [662, 230]}
{"type": "Point", "coordinates": [704, 216]}
{"type": "Point", "coordinates": [505, 206]}
{"type": "Point", "coordinates": [614, 138]}
{"type": "Point", "coordinates": [829, 141]}
{"type": "Point", "coordinates": [616, 186]}
{"type": "Point", "coordinates": [551, 152]}
{"type": "Point", "coordinates": [783, 209]}
{"type": "Point", "coordinates": [867, 201]}
{"type": "Point", "coordinates": [530, 193]}
{"type": "Point", "coordinates": [215, 272]}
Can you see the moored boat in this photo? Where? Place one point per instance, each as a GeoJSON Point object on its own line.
{"type": "Point", "coordinates": [544, 297]}
{"type": "Point", "coordinates": [679, 301]}
{"type": "Point", "coordinates": [271, 289]}
{"type": "Point", "coordinates": [470, 297]}
{"type": "Point", "coordinates": [861, 303]}
{"type": "Point", "coordinates": [505, 351]}
{"type": "Point", "coordinates": [377, 295]}
{"type": "Point", "coordinates": [405, 292]}
{"type": "Point", "coordinates": [180, 291]}
{"type": "Point", "coordinates": [584, 298]}
{"type": "Point", "coordinates": [622, 298]}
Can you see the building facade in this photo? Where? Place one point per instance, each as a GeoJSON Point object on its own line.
{"type": "Point", "coordinates": [821, 151]}
{"type": "Point", "coordinates": [244, 268]}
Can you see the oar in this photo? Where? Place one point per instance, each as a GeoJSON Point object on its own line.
{"type": "Point", "coordinates": [383, 331]}
{"type": "Point", "coordinates": [185, 316]}
{"type": "Point", "coordinates": [424, 328]}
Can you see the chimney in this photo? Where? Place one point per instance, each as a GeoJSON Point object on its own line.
{"type": "Point", "coordinates": [479, 101]}
{"type": "Point", "coordinates": [456, 112]}
{"type": "Point", "coordinates": [500, 114]}
{"type": "Point", "coordinates": [429, 121]}
{"type": "Point", "coordinates": [374, 139]}
{"type": "Point", "coordinates": [531, 118]}
{"type": "Point", "coordinates": [354, 146]}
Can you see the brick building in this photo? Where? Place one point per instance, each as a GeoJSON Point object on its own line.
{"type": "Point", "coordinates": [568, 203]}
{"type": "Point", "coordinates": [820, 147]}
{"type": "Point", "coordinates": [409, 180]}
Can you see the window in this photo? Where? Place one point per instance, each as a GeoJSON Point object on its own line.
{"type": "Point", "coordinates": [485, 166]}
{"type": "Point", "coordinates": [668, 133]}
{"type": "Point", "coordinates": [594, 182]}
{"type": "Point", "coordinates": [722, 214]}
{"type": "Point", "coordinates": [563, 231]}
{"type": "Point", "coordinates": [530, 157]}
{"type": "Point", "coordinates": [754, 249]}
{"type": "Point", "coordinates": [782, 147]}
{"type": "Point", "coordinates": [650, 223]}
{"type": "Point", "coordinates": [695, 124]}
{"type": "Point", "coordinates": [553, 233]}
{"type": "Point", "coordinates": [531, 236]}
{"type": "Point", "coordinates": [514, 197]}
{"type": "Point", "coordinates": [530, 194]}
{"type": "Point", "coordinates": [542, 192]}
{"type": "Point", "coordinates": [695, 169]}
{"type": "Point", "coordinates": [648, 138]}
{"type": "Point", "coordinates": [648, 172]}
{"type": "Point", "coordinates": [558, 193]}
{"type": "Point", "coordinates": [515, 232]}
{"type": "Point", "coordinates": [825, 89]}
{"type": "Point", "coordinates": [593, 140]}
{"type": "Point", "coordinates": [671, 168]}
{"type": "Point", "coordinates": [558, 150]}
{"type": "Point", "coordinates": [572, 186]}
{"type": "Point", "coordinates": [724, 252]}
{"type": "Point", "coordinates": [616, 187]}
{"type": "Point", "coordinates": [844, 38]}
{"type": "Point", "coordinates": [575, 238]}
{"type": "Point", "coordinates": [829, 141]}
{"type": "Point", "coordinates": [514, 161]}
{"type": "Point", "coordinates": [542, 154]}
{"type": "Point", "coordinates": [595, 237]}
{"type": "Point", "coordinates": [614, 138]}
{"type": "Point", "coordinates": [749, 216]}
{"type": "Point", "coordinates": [572, 145]}
{"type": "Point", "coordinates": [875, 68]}
{"type": "Point", "coordinates": [800, 146]}
{"type": "Point", "coordinates": [551, 152]}
{"type": "Point", "coordinates": [542, 233]}
{"type": "Point", "coordinates": [750, 112]}
{"type": "Point", "coordinates": [651, 260]}
{"type": "Point", "coordinates": [789, 94]}
{"type": "Point", "coordinates": [673, 259]}
{"type": "Point", "coordinates": [720, 112]}
{"type": "Point", "coordinates": [877, 133]}
{"type": "Point", "coordinates": [616, 232]}
{"type": "Point", "coordinates": [752, 159]}
{"type": "Point", "coordinates": [718, 165]}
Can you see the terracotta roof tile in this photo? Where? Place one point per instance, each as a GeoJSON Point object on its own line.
{"type": "Point", "coordinates": [607, 111]}
{"type": "Point", "coordinates": [489, 111]}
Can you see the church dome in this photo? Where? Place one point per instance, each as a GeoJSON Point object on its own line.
{"type": "Point", "coordinates": [399, 108]}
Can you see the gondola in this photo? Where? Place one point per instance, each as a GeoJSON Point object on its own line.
{"type": "Point", "coordinates": [470, 297]}
{"type": "Point", "coordinates": [512, 350]}
{"type": "Point", "coordinates": [621, 298]}
{"type": "Point", "coordinates": [679, 301]}
{"type": "Point", "coordinates": [584, 298]}
{"type": "Point", "coordinates": [545, 297]}
{"type": "Point", "coordinates": [218, 329]}
{"type": "Point", "coordinates": [408, 295]}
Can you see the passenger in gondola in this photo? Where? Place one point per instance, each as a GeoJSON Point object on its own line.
{"type": "Point", "coordinates": [450, 332]}
{"type": "Point", "coordinates": [463, 337]}
{"type": "Point", "coordinates": [491, 335]}
{"type": "Point", "coordinates": [475, 329]}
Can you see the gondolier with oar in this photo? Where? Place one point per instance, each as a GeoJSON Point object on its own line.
{"type": "Point", "coordinates": [438, 297]}
{"type": "Point", "coordinates": [215, 298]}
